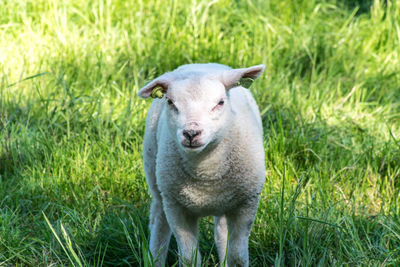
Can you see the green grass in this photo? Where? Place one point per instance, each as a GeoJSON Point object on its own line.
{"type": "Point", "coordinates": [72, 186]}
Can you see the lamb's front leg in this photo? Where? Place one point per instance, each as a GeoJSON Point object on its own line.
{"type": "Point", "coordinates": [184, 227]}
{"type": "Point", "coordinates": [239, 225]}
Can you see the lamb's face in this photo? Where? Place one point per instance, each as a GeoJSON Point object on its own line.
{"type": "Point", "coordinates": [198, 111]}
{"type": "Point", "coordinates": [198, 108]}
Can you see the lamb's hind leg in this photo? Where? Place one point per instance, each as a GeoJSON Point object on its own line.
{"type": "Point", "coordinates": [221, 237]}
{"type": "Point", "coordinates": [160, 233]}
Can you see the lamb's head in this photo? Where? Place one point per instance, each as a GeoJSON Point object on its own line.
{"type": "Point", "coordinates": [198, 106]}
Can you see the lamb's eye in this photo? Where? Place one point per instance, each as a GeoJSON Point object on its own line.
{"type": "Point", "coordinates": [171, 104]}
{"type": "Point", "coordinates": [219, 105]}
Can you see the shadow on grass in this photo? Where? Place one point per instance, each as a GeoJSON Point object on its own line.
{"type": "Point", "coordinates": [317, 227]}
{"type": "Point", "coordinates": [363, 6]}
{"type": "Point", "coordinates": [124, 231]}
{"type": "Point", "coordinates": [19, 151]}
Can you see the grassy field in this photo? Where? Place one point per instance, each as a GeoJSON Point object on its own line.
{"type": "Point", "coordinates": [72, 186]}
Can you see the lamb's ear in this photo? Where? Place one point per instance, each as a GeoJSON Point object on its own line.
{"type": "Point", "coordinates": [162, 82]}
{"type": "Point", "coordinates": [231, 78]}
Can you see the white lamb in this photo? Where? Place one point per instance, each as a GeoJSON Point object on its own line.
{"type": "Point", "coordinates": [203, 155]}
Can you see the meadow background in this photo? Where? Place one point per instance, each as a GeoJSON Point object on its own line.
{"type": "Point", "coordinates": [72, 186]}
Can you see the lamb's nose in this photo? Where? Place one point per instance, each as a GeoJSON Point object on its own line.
{"type": "Point", "coordinates": [191, 134]}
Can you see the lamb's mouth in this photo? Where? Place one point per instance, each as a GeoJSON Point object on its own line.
{"type": "Point", "coordinates": [192, 146]}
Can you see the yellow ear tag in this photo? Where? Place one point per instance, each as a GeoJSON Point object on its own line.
{"type": "Point", "coordinates": [157, 92]}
